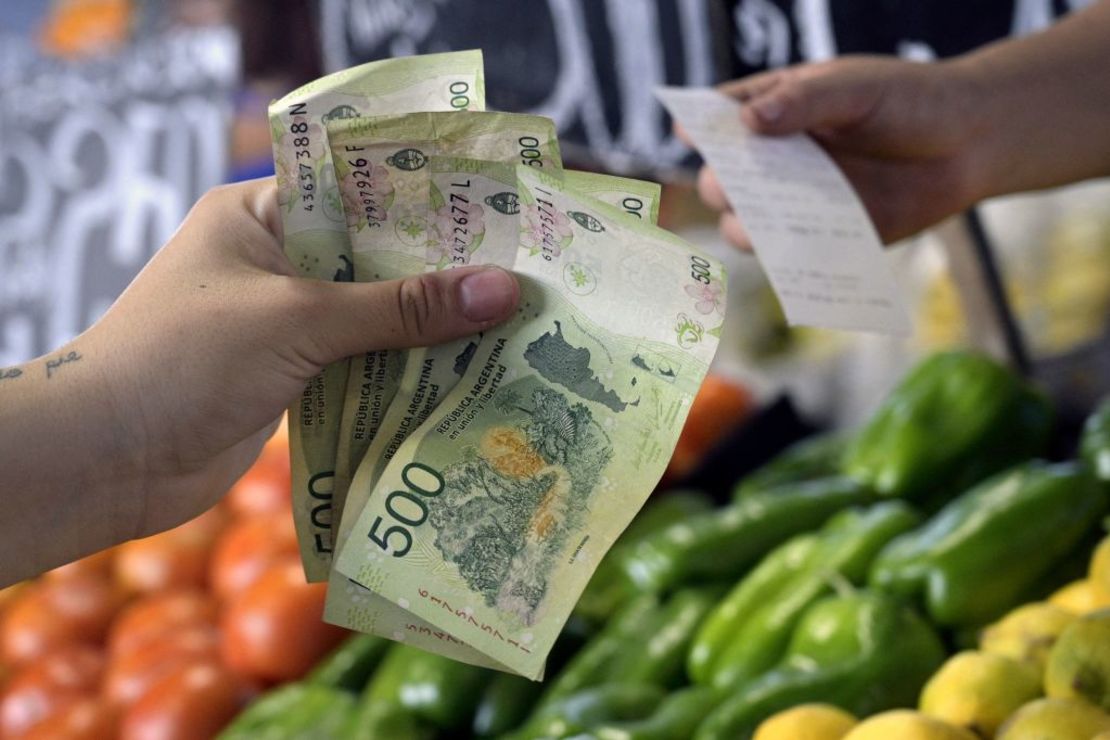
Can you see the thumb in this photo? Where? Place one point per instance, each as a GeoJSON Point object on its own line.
{"type": "Point", "coordinates": [829, 95]}
{"type": "Point", "coordinates": [346, 319]}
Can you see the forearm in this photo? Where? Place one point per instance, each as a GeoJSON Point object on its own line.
{"type": "Point", "coordinates": [70, 486]}
{"type": "Point", "coordinates": [1046, 103]}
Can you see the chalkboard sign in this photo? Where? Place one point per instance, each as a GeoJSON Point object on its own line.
{"type": "Point", "coordinates": [99, 162]}
{"type": "Point", "coordinates": [592, 64]}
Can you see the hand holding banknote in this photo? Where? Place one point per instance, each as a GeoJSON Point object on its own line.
{"type": "Point", "coordinates": [147, 418]}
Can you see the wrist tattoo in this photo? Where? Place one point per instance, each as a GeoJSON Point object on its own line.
{"type": "Point", "coordinates": [10, 373]}
{"type": "Point", "coordinates": [53, 365]}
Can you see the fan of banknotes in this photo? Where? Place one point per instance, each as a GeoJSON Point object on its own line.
{"type": "Point", "coordinates": [459, 497]}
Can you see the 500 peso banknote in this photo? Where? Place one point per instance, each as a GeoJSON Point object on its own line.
{"type": "Point", "coordinates": [316, 240]}
{"type": "Point", "coordinates": [491, 517]}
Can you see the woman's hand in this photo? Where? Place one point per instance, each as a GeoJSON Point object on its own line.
{"type": "Point", "coordinates": [920, 142]}
{"type": "Point", "coordinates": [903, 133]}
{"type": "Point", "coordinates": [167, 400]}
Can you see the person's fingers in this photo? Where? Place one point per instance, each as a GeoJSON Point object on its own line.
{"type": "Point", "coordinates": [681, 134]}
{"type": "Point", "coordinates": [710, 190]}
{"type": "Point", "coordinates": [826, 95]}
{"type": "Point", "coordinates": [752, 86]}
{"type": "Point", "coordinates": [344, 319]}
{"type": "Point", "coordinates": [733, 231]}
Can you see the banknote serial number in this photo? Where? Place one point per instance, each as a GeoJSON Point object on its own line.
{"type": "Point", "coordinates": [306, 175]}
{"type": "Point", "coordinates": [364, 182]}
{"type": "Point", "coordinates": [699, 269]}
{"type": "Point", "coordinates": [407, 508]}
{"type": "Point", "coordinates": [460, 217]}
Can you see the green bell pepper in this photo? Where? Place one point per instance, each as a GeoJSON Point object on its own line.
{"type": "Point", "coordinates": [578, 712]}
{"type": "Point", "coordinates": [351, 664]}
{"type": "Point", "coordinates": [608, 589]}
{"type": "Point", "coordinates": [299, 711]}
{"type": "Point", "coordinates": [814, 457]}
{"type": "Point", "coordinates": [676, 719]}
{"type": "Point", "coordinates": [763, 584]}
{"type": "Point", "coordinates": [864, 652]}
{"type": "Point", "coordinates": [977, 557]}
{"type": "Point", "coordinates": [953, 420]}
{"type": "Point", "coordinates": [388, 723]}
{"type": "Point", "coordinates": [748, 633]}
{"type": "Point", "coordinates": [720, 545]}
{"type": "Point", "coordinates": [1094, 445]}
{"type": "Point", "coordinates": [662, 642]}
{"type": "Point", "coordinates": [436, 690]}
{"type": "Point", "coordinates": [591, 665]}
{"type": "Point", "coordinates": [505, 704]}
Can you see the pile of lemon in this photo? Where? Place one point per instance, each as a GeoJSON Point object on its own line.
{"type": "Point", "coordinates": [1042, 671]}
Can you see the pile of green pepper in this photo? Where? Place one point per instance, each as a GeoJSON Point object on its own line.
{"type": "Point", "coordinates": [836, 574]}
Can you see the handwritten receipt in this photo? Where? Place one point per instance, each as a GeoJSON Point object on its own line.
{"type": "Point", "coordinates": [809, 230]}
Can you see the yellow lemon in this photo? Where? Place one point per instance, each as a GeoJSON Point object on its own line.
{"type": "Point", "coordinates": [1057, 719]}
{"type": "Point", "coordinates": [1098, 572]}
{"type": "Point", "coordinates": [806, 722]}
{"type": "Point", "coordinates": [905, 724]}
{"type": "Point", "coordinates": [1079, 664]}
{"type": "Point", "coordinates": [978, 691]}
{"type": "Point", "coordinates": [1027, 633]}
{"type": "Point", "coordinates": [1080, 597]}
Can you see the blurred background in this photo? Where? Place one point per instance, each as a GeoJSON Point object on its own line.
{"type": "Point", "coordinates": [118, 114]}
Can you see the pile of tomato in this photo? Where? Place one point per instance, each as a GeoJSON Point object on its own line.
{"type": "Point", "coordinates": [169, 636]}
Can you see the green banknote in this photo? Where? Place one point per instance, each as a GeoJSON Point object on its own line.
{"type": "Point", "coordinates": [483, 196]}
{"type": "Point", "coordinates": [473, 220]}
{"type": "Point", "coordinates": [432, 372]}
{"type": "Point", "coordinates": [638, 198]}
{"type": "Point", "coordinates": [492, 516]}
{"type": "Point", "coordinates": [316, 241]}
{"type": "Point", "coordinates": [385, 183]}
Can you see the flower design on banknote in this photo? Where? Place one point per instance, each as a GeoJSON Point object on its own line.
{"type": "Point", "coordinates": [286, 181]}
{"type": "Point", "coordinates": [366, 199]}
{"type": "Point", "coordinates": [689, 331]}
{"type": "Point", "coordinates": [579, 278]}
{"type": "Point", "coordinates": [507, 512]}
{"type": "Point", "coordinates": [709, 297]}
{"type": "Point", "coordinates": [457, 232]}
{"type": "Point", "coordinates": [546, 231]}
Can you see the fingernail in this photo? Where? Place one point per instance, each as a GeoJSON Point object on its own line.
{"type": "Point", "coordinates": [769, 110]}
{"type": "Point", "coordinates": [487, 294]}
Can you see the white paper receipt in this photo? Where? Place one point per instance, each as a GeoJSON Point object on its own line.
{"type": "Point", "coordinates": [809, 230]}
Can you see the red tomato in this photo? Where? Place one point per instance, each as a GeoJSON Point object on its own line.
{"type": "Point", "coordinates": [97, 564]}
{"type": "Point", "coordinates": [203, 530]}
{"type": "Point", "coordinates": [48, 685]}
{"type": "Point", "coordinates": [58, 612]}
{"type": "Point", "coordinates": [132, 674]}
{"type": "Point", "coordinates": [247, 549]}
{"type": "Point", "coordinates": [159, 614]}
{"type": "Point", "coordinates": [84, 719]}
{"type": "Point", "coordinates": [720, 405]}
{"type": "Point", "coordinates": [176, 558]}
{"type": "Point", "coordinates": [10, 594]}
{"type": "Point", "coordinates": [254, 494]}
{"type": "Point", "coordinates": [273, 631]}
{"type": "Point", "coordinates": [193, 702]}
